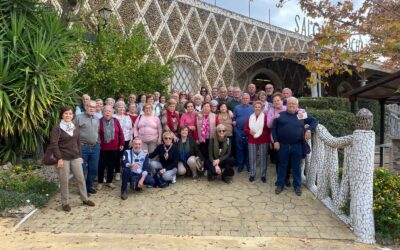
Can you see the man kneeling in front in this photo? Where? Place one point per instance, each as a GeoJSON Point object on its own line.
{"type": "Point", "coordinates": [135, 169]}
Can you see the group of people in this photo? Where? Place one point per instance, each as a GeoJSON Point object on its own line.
{"type": "Point", "coordinates": [157, 138]}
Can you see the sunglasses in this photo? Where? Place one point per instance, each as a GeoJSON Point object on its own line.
{"type": "Point", "coordinates": [168, 138]}
{"type": "Point", "coordinates": [221, 130]}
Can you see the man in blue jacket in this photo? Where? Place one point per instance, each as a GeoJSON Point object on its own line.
{"type": "Point", "coordinates": [241, 113]}
{"type": "Point", "coordinates": [289, 132]}
{"type": "Point", "coordinates": [135, 169]}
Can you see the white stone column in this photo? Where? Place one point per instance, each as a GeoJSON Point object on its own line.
{"type": "Point", "coordinates": [361, 176]}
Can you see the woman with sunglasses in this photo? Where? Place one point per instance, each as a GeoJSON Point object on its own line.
{"type": "Point", "coordinates": [168, 157]}
{"type": "Point", "coordinates": [203, 91]}
{"type": "Point", "coordinates": [220, 161]}
{"type": "Point", "coordinates": [258, 137]}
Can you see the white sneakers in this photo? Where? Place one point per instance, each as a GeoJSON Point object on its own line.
{"type": "Point", "coordinates": [173, 179]}
{"type": "Point", "coordinates": [99, 186]}
{"type": "Point", "coordinates": [111, 185]}
{"type": "Point", "coordinates": [117, 176]}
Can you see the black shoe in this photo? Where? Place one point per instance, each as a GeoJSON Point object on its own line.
{"type": "Point", "coordinates": [264, 179]}
{"type": "Point", "coordinates": [251, 179]}
{"type": "Point", "coordinates": [91, 190]}
{"type": "Point", "coordinates": [209, 176]}
{"type": "Point", "coordinates": [278, 189]}
{"type": "Point", "coordinates": [298, 191]}
{"type": "Point", "coordinates": [124, 195]}
{"type": "Point", "coordinates": [288, 184]}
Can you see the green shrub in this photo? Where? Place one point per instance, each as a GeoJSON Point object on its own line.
{"type": "Point", "coordinates": [325, 103]}
{"type": "Point", "coordinates": [387, 205]}
{"type": "Point", "coordinates": [338, 123]}
{"type": "Point", "coordinates": [17, 189]}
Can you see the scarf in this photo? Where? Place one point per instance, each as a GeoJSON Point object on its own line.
{"type": "Point", "coordinates": [108, 130]}
{"type": "Point", "coordinates": [68, 127]}
{"type": "Point", "coordinates": [184, 150]}
{"type": "Point", "coordinates": [257, 124]}
{"type": "Point", "coordinates": [166, 151]}
{"type": "Point", "coordinates": [219, 152]}
{"type": "Point", "coordinates": [172, 120]}
{"type": "Point", "coordinates": [205, 128]}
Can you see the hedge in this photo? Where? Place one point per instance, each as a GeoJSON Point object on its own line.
{"type": "Point", "coordinates": [338, 104]}
{"type": "Point", "coordinates": [338, 123]}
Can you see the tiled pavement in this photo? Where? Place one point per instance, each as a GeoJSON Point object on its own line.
{"type": "Point", "coordinates": [199, 208]}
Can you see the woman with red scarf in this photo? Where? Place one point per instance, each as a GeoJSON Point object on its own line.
{"type": "Point", "coordinates": [170, 119]}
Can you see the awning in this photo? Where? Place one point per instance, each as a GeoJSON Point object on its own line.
{"type": "Point", "coordinates": [384, 89]}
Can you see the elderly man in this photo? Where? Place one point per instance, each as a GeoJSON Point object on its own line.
{"type": "Point", "coordinates": [88, 125]}
{"type": "Point", "coordinates": [286, 93]}
{"type": "Point", "coordinates": [135, 169]}
{"type": "Point", "coordinates": [214, 93]}
{"type": "Point", "coordinates": [237, 94]}
{"type": "Point", "coordinates": [156, 96]}
{"type": "Point", "coordinates": [223, 96]}
{"type": "Point", "coordinates": [251, 89]}
{"type": "Point", "coordinates": [241, 114]}
{"type": "Point", "coordinates": [230, 91]}
{"type": "Point", "coordinates": [269, 91]}
{"type": "Point", "coordinates": [82, 108]}
{"type": "Point", "coordinates": [288, 132]}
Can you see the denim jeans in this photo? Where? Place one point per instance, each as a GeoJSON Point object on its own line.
{"type": "Point", "coordinates": [294, 152]}
{"type": "Point", "coordinates": [90, 156]}
{"type": "Point", "coordinates": [128, 176]}
{"type": "Point", "coordinates": [242, 151]}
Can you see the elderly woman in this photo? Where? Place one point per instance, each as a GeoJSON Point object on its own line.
{"type": "Point", "coordinates": [132, 112]}
{"type": "Point", "coordinates": [198, 101]}
{"type": "Point", "coordinates": [207, 99]}
{"type": "Point", "coordinates": [189, 118]}
{"type": "Point", "coordinates": [220, 161]}
{"type": "Point", "coordinates": [262, 96]}
{"type": "Point", "coordinates": [142, 102]}
{"type": "Point", "coordinates": [126, 125]}
{"type": "Point", "coordinates": [65, 145]}
{"type": "Point", "coordinates": [214, 106]}
{"type": "Point", "coordinates": [168, 157]}
{"type": "Point", "coordinates": [99, 108]}
{"type": "Point", "coordinates": [190, 157]}
{"type": "Point", "coordinates": [206, 123]}
{"type": "Point", "coordinates": [163, 101]}
{"type": "Point", "coordinates": [170, 119]}
{"type": "Point", "coordinates": [156, 108]}
{"type": "Point", "coordinates": [203, 91]}
{"type": "Point", "coordinates": [111, 143]}
{"type": "Point", "coordinates": [258, 137]}
{"type": "Point", "coordinates": [225, 117]}
{"type": "Point", "coordinates": [148, 128]}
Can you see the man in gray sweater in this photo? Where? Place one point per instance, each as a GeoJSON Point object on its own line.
{"type": "Point", "coordinates": [88, 126]}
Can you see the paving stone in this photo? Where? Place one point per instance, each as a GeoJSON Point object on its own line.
{"type": "Point", "coordinates": [196, 208]}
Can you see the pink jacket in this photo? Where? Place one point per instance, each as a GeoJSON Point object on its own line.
{"type": "Point", "coordinates": [147, 128]}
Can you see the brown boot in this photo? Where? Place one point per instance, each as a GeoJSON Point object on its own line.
{"type": "Point", "coordinates": [89, 203]}
{"type": "Point", "coordinates": [66, 208]}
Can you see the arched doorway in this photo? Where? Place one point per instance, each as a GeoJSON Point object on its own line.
{"type": "Point", "coordinates": [187, 74]}
{"type": "Point", "coordinates": [263, 76]}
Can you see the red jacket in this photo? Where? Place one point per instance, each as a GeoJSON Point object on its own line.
{"type": "Point", "coordinates": [265, 137]}
{"type": "Point", "coordinates": [118, 137]}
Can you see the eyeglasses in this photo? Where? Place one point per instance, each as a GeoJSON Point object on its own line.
{"type": "Point", "coordinates": [221, 130]}
{"type": "Point", "coordinates": [167, 138]}
{"type": "Point", "coordinates": [92, 106]}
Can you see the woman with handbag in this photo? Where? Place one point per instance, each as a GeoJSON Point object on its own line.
{"type": "Point", "coordinates": [190, 157]}
{"type": "Point", "coordinates": [65, 146]}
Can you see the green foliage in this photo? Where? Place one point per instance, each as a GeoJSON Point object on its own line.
{"type": "Point", "coordinates": [342, 105]}
{"type": "Point", "coordinates": [117, 64]}
{"type": "Point", "coordinates": [338, 123]}
{"type": "Point", "coordinates": [35, 71]}
{"type": "Point", "coordinates": [22, 188]}
{"type": "Point", "coordinates": [326, 103]}
{"type": "Point", "coordinates": [387, 205]}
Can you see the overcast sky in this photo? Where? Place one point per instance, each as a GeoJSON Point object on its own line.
{"type": "Point", "coordinates": [282, 17]}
